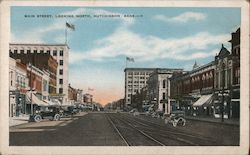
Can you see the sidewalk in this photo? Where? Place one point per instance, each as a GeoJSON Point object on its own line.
{"type": "Point", "coordinates": [13, 121]}
{"type": "Point", "coordinates": [235, 122]}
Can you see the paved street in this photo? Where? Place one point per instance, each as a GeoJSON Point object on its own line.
{"type": "Point", "coordinates": [121, 129]}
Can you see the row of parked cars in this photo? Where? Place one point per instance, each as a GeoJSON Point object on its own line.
{"type": "Point", "coordinates": [53, 112]}
{"type": "Point", "coordinates": [176, 118]}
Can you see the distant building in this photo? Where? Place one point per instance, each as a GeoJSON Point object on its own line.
{"type": "Point", "coordinates": [88, 98]}
{"type": "Point", "coordinates": [159, 88]}
{"type": "Point", "coordinates": [72, 92]}
{"type": "Point", "coordinates": [58, 86]}
{"type": "Point", "coordinates": [80, 96]}
{"type": "Point", "coordinates": [135, 80]}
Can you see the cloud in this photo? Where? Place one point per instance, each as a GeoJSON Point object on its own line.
{"type": "Point", "coordinates": [182, 18]}
{"type": "Point", "coordinates": [38, 34]}
{"type": "Point", "coordinates": [144, 48]}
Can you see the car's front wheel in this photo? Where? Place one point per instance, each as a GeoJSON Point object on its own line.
{"type": "Point", "coordinates": [57, 117]}
{"type": "Point", "coordinates": [38, 118]}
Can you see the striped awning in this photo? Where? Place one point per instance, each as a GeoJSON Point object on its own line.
{"type": "Point", "coordinates": [35, 99]}
{"type": "Point", "coordinates": [204, 99]}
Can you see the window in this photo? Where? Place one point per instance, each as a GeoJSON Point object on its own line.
{"type": "Point", "coordinates": [61, 53]}
{"type": "Point", "coordinates": [15, 51]}
{"type": "Point", "coordinates": [45, 83]}
{"type": "Point", "coordinates": [35, 51]}
{"type": "Point", "coordinates": [61, 72]}
{"type": "Point", "coordinates": [17, 80]}
{"type": "Point", "coordinates": [163, 96]}
{"type": "Point", "coordinates": [60, 81]}
{"type": "Point", "coordinates": [54, 53]}
{"type": "Point", "coordinates": [164, 84]}
{"type": "Point", "coordinates": [61, 62]}
{"type": "Point", "coordinates": [48, 51]}
{"type": "Point", "coordinates": [41, 51]}
{"type": "Point", "coordinates": [22, 51]}
{"type": "Point", "coordinates": [28, 51]}
{"type": "Point", "coordinates": [229, 77]}
{"type": "Point", "coordinates": [60, 90]}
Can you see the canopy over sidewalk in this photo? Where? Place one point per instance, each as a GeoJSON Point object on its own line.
{"type": "Point", "coordinates": [35, 99]}
{"type": "Point", "coordinates": [204, 99]}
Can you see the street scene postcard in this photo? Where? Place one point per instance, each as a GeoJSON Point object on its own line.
{"type": "Point", "coordinates": [127, 76]}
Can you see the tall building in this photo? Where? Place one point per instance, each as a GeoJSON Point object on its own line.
{"type": "Point", "coordinates": [59, 52]}
{"type": "Point", "coordinates": [135, 80]}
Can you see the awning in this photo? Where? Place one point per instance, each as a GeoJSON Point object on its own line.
{"type": "Point", "coordinates": [235, 100]}
{"type": "Point", "coordinates": [204, 99]}
{"type": "Point", "coordinates": [50, 102]}
{"type": "Point", "coordinates": [35, 99]}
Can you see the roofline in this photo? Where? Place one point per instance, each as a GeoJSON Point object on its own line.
{"type": "Point", "coordinates": [203, 66]}
{"type": "Point", "coordinates": [39, 44]}
{"type": "Point", "coordinates": [152, 69]}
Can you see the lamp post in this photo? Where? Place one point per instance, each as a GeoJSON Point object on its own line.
{"type": "Point", "coordinates": [31, 90]}
{"type": "Point", "coordinates": [223, 87]}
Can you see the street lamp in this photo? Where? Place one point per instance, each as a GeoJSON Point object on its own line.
{"type": "Point", "coordinates": [31, 89]}
{"type": "Point", "coordinates": [223, 87]}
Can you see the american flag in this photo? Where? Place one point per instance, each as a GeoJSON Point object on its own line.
{"type": "Point", "coordinates": [130, 59]}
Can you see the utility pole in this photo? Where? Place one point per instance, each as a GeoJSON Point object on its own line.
{"type": "Point", "coordinates": [223, 87]}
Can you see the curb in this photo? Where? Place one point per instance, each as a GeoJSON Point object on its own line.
{"type": "Point", "coordinates": [222, 123]}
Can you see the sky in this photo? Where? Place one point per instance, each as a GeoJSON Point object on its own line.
{"type": "Point", "coordinates": [156, 37]}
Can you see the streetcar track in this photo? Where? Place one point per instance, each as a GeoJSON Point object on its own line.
{"type": "Point", "coordinates": [174, 133]}
{"type": "Point", "coordinates": [142, 133]}
{"type": "Point", "coordinates": [172, 138]}
{"type": "Point", "coordinates": [117, 130]}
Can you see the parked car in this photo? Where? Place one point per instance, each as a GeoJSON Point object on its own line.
{"type": "Point", "coordinates": [68, 111]}
{"type": "Point", "coordinates": [176, 118]}
{"type": "Point", "coordinates": [133, 110]}
{"type": "Point", "coordinates": [42, 112]}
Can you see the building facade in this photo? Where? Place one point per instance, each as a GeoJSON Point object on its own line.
{"type": "Point", "coordinates": [227, 86]}
{"type": "Point", "coordinates": [159, 88]}
{"type": "Point", "coordinates": [80, 96]}
{"type": "Point", "coordinates": [72, 94]}
{"type": "Point", "coordinates": [12, 87]}
{"type": "Point", "coordinates": [135, 80]}
{"type": "Point", "coordinates": [58, 85]}
{"type": "Point", "coordinates": [214, 88]}
{"type": "Point", "coordinates": [193, 90]}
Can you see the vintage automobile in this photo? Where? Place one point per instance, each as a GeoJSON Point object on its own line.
{"type": "Point", "coordinates": [176, 118]}
{"type": "Point", "coordinates": [68, 111]}
{"type": "Point", "coordinates": [51, 111]}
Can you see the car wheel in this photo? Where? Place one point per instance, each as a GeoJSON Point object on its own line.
{"type": "Point", "coordinates": [37, 118]}
{"type": "Point", "coordinates": [61, 114]}
{"type": "Point", "coordinates": [182, 122]}
{"type": "Point", "coordinates": [174, 123]}
{"type": "Point", "coordinates": [57, 117]}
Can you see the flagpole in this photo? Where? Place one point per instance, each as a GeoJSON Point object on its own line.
{"type": "Point", "coordinates": [65, 34]}
{"type": "Point", "coordinates": [126, 62]}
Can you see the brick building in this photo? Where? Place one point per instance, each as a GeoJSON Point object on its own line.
{"type": "Point", "coordinates": [193, 89]}
{"type": "Point", "coordinates": [60, 54]}
{"type": "Point", "coordinates": [211, 89]}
